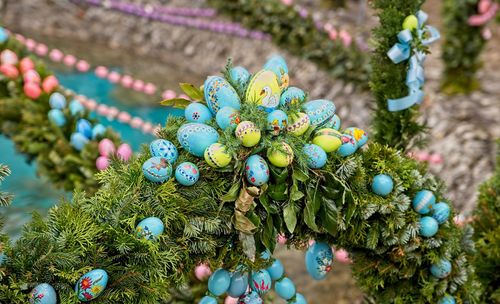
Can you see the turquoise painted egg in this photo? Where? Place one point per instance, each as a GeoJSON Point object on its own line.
{"type": "Point", "coordinates": [91, 285]}
{"type": "Point", "coordinates": [76, 108]}
{"type": "Point", "coordinates": [197, 112]}
{"type": "Point", "coordinates": [442, 269]}
{"type": "Point", "coordinates": [196, 137]}
{"type": "Point", "coordinates": [277, 65]}
{"type": "Point", "coordinates": [239, 75]}
{"type": "Point", "coordinates": [428, 226]}
{"type": "Point", "coordinates": [333, 122]}
{"type": "Point", "coordinates": [84, 127]}
{"type": "Point", "coordinates": [348, 147]}
{"type": "Point", "coordinates": [261, 281]}
{"type": "Point", "coordinates": [149, 228]}
{"type": "Point", "coordinates": [447, 300]}
{"type": "Point", "coordinates": [56, 117]}
{"type": "Point", "coordinates": [157, 169]}
{"type": "Point", "coordinates": [423, 201]}
{"type": "Point", "coordinates": [299, 299]}
{"type": "Point", "coordinates": [219, 282]}
{"type": "Point", "coordinates": [382, 184]}
{"type": "Point", "coordinates": [187, 174]}
{"type": "Point", "coordinates": [319, 260]}
{"type": "Point", "coordinates": [219, 93]}
{"type": "Point", "coordinates": [98, 131]}
{"type": "Point", "coordinates": [277, 121]}
{"type": "Point", "coordinates": [164, 148]}
{"type": "Point", "coordinates": [291, 96]}
{"type": "Point", "coordinates": [256, 170]}
{"type": "Point", "coordinates": [285, 288]}
{"type": "Point", "coordinates": [227, 117]}
{"type": "Point", "coordinates": [250, 297]}
{"type": "Point", "coordinates": [276, 270]}
{"type": "Point", "coordinates": [78, 141]}
{"type": "Point", "coordinates": [208, 300]}
{"type": "Point", "coordinates": [264, 91]}
{"type": "Point", "coordinates": [239, 284]}
{"type": "Point", "coordinates": [43, 294]}
{"type": "Point", "coordinates": [441, 212]}
{"type": "Point", "coordinates": [57, 101]}
{"type": "Point", "coordinates": [359, 135]}
{"type": "Point", "coordinates": [319, 111]}
{"type": "Point", "coordinates": [316, 157]}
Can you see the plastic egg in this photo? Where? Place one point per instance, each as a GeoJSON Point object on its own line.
{"type": "Point", "coordinates": [251, 297]}
{"type": "Point", "coordinates": [441, 212]}
{"type": "Point", "coordinates": [106, 147]}
{"type": "Point", "coordinates": [56, 116]}
{"type": "Point", "coordinates": [276, 270]}
{"type": "Point", "coordinates": [91, 285]}
{"type": "Point", "coordinates": [319, 111]}
{"type": "Point", "coordinates": [239, 75]}
{"type": "Point", "coordinates": [382, 184]}
{"type": "Point", "coordinates": [57, 100]}
{"type": "Point", "coordinates": [281, 158]}
{"type": "Point", "coordinates": [447, 300]}
{"type": "Point", "coordinates": [291, 96]}
{"type": "Point", "coordinates": [8, 57]}
{"type": "Point", "coordinates": [78, 141]}
{"type": "Point", "coordinates": [277, 65]}
{"type": "Point", "coordinates": [50, 83]}
{"type": "Point", "coordinates": [216, 156]}
{"type": "Point", "coordinates": [442, 269]}
{"type": "Point", "coordinates": [98, 131]}
{"type": "Point", "coordinates": [328, 139]}
{"type": "Point", "coordinates": [358, 134]}
{"type": "Point", "coordinates": [32, 90]}
{"type": "Point", "coordinates": [219, 282]}
{"type": "Point", "coordinates": [316, 157]}
{"type": "Point", "coordinates": [157, 169]}
{"type": "Point", "coordinates": [423, 201]}
{"type": "Point", "coordinates": [428, 226]}
{"type": "Point", "coordinates": [299, 299]}
{"type": "Point", "coordinates": [84, 127]}
{"type": "Point", "coordinates": [261, 281]}
{"type": "Point", "coordinates": [256, 170]}
{"type": "Point", "coordinates": [124, 152]}
{"type": "Point", "coordinates": [227, 117]}
{"type": "Point", "coordinates": [333, 122]}
{"type": "Point", "coordinates": [208, 300]}
{"type": "Point", "coordinates": [348, 146]}
{"type": "Point", "coordinates": [149, 228]}
{"type": "Point", "coordinates": [239, 284]}
{"type": "Point", "coordinates": [196, 137]}
{"type": "Point", "coordinates": [76, 108]}
{"type": "Point", "coordinates": [102, 163]}
{"type": "Point", "coordinates": [197, 112]}
{"type": "Point", "coordinates": [202, 271]}
{"type": "Point", "coordinates": [264, 91]}
{"type": "Point", "coordinates": [164, 148]}
{"type": "Point", "coordinates": [32, 76]}
{"type": "Point", "coordinates": [219, 93]}
{"type": "Point", "coordinates": [319, 260]}
{"type": "Point", "coordinates": [248, 133]}
{"type": "Point", "coordinates": [285, 288]}
{"type": "Point", "coordinates": [43, 294]}
{"type": "Point", "coordinates": [187, 174]}
{"type": "Point", "coordinates": [298, 124]}
{"type": "Point", "coordinates": [277, 121]}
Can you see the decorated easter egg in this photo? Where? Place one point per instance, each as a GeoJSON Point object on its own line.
{"type": "Point", "coordinates": [187, 174]}
{"type": "Point", "coordinates": [106, 147]}
{"type": "Point", "coordinates": [227, 117]}
{"type": "Point", "coordinates": [285, 288]}
{"type": "Point", "coordinates": [358, 134]}
{"type": "Point", "coordinates": [276, 270]}
{"type": "Point", "coordinates": [291, 96]}
{"type": "Point", "coordinates": [319, 111]}
{"type": "Point", "coordinates": [8, 57]}
{"type": "Point", "coordinates": [76, 108]}
{"type": "Point", "coordinates": [261, 281]}
{"type": "Point", "coordinates": [197, 112]}
{"type": "Point", "coordinates": [299, 299]}
{"type": "Point", "coordinates": [256, 170]}
{"type": "Point", "coordinates": [281, 157]}
{"type": "Point", "coordinates": [248, 133]}
{"type": "Point", "coordinates": [208, 300]}
{"type": "Point", "coordinates": [333, 122]}
{"type": "Point", "coordinates": [441, 212]}
{"type": "Point", "coordinates": [319, 260]}
{"type": "Point", "coordinates": [428, 226]}
{"type": "Point", "coordinates": [56, 116]}
{"type": "Point", "coordinates": [98, 131]}
{"type": "Point", "coordinates": [423, 201]}
{"type": "Point", "coordinates": [277, 121]}
{"type": "Point", "coordinates": [447, 300]}
{"type": "Point", "coordinates": [57, 100]}
{"type": "Point", "coordinates": [239, 75]}
{"type": "Point", "coordinates": [78, 141]}
{"type": "Point", "coordinates": [348, 146]}
{"type": "Point", "coordinates": [277, 65]}
{"type": "Point", "coordinates": [124, 152]}
{"type": "Point", "coordinates": [239, 284]}
{"type": "Point", "coordinates": [298, 124]}
{"type": "Point", "coordinates": [316, 157]}
{"type": "Point", "coordinates": [216, 156]}
{"type": "Point", "coordinates": [149, 228]}
{"type": "Point", "coordinates": [43, 294]}
{"type": "Point", "coordinates": [196, 137]}
{"type": "Point", "coordinates": [219, 282]}
{"type": "Point", "coordinates": [84, 127]}
{"type": "Point", "coordinates": [91, 285]}
{"type": "Point", "coordinates": [442, 269]}
{"type": "Point", "coordinates": [264, 91]}
{"type": "Point", "coordinates": [157, 169]}
{"type": "Point", "coordinates": [219, 93]}
{"type": "Point", "coordinates": [164, 148]}
{"type": "Point", "coordinates": [382, 184]}
{"type": "Point", "coordinates": [251, 297]}
{"type": "Point", "coordinates": [328, 139]}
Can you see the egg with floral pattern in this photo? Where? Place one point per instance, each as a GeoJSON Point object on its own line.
{"type": "Point", "coordinates": [264, 91]}
{"type": "Point", "coordinates": [319, 111]}
{"type": "Point", "coordinates": [197, 112]}
{"type": "Point", "coordinates": [91, 285]}
{"type": "Point", "coordinates": [261, 281]}
{"type": "Point", "coordinates": [219, 93]}
{"type": "Point", "coordinates": [251, 297]}
{"type": "Point", "coordinates": [358, 134]}
{"type": "Point", "coordinates": [227, 117]}
{"type": "Point", "coordinates": [349, 145]}
{"type": "Point", "coordinates": [219, 282]}
{"type": "Point", "coordinates": [299, 123]}
{"type": "Point", "coordinates": [278, 66]}
{"type": "Point", "coordinates": [164, 148]}
{"type": "Point", "coordinates": [277, 121]}
{"type": "Point", "coordinates": [319, 260]}
{"type": "Point", "coordinates": [239, 76]}
{"type": "Point", "coordinates": [157, 169]}
{"type": "Point", "coordinates": [256, 170]}
{"type": "Point", "coordinates": [43, 294]}
{"type": "Point", "coordinates": [292, 96]}
{"type": "Point", "coordinates": [333, 122]}
{"type": "Point", "coordinates": [149, 228]}
{"type": "Point", "coordinates": [187, 174]}
{"type": "Point", "coordinates": [315, 156]}
{"type": "Point", "coordinates": [196, 137]}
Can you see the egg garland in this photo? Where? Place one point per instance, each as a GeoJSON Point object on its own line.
{"type": "Point", "coordinates": [261, 282]}
{"type": "Point", "coordinates": [91, 285]}
{"type": "Point", "coordinates": [238, 285]}
{"type": "Point", "coordinates": [319, 260]}
{"type": "Point", "coordinates": [219, 282]}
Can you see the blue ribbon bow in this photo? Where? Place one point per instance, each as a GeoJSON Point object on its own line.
{"type": "Point", "coordinates": [401, 51]}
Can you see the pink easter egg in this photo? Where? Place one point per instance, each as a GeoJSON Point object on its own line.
{"type": "Point", "coordinates": [56, 55]}
{"type": "Point", "coordinates": [102, 163]}
{"type": "Point", "coordinates": [342, 256]}
{"type": "Point", "coordinates": [149, 88]}
{"type": "Point", "coordinates": [155, 130]}
{"type": "Point", "coordinates": [102, 109]}
{"type": "Point", "coordinates": [483, 6]}
{"type": "Point", "coordinates": [421, 156]}
{"type": "Point", "coordinates": [91, 104]}
{"type": "Point", "coordinates": [281, 239]}
{"type": "Point", "coordinates": [8, 57]}
{"type": "Point", "coordinates": [31, 76]}
{"type": "Point", "coordinates": [9, 70]}
{"type": "Point", "coordinates": [32, 90]}
{"type": "Point", "coordinates": [436, 158]}
{"type": "Point", "coordinates": [20, 38]}
{"type": "Point", "coordinates": [101, 71]}
{"type": "Point", "coordinates": [114, 77]}
{"type": "Point", "coordinates": [82, 66]}
{"type": "Point", "coordinates": [26, 64]}
{"type": "Point", "coordinates": [168, 94]}
{"type": "Point", "coordinates": [106, 147]}
{"type": "Point", "coordinates": [287, 2]}
{"type": "Point", "coordinates": [69, 60]}
{"type": "Point", "coordinates": [202, 271]}
{"type": "Point", "coordinates": [124, 117]}
{"type": "Point", "coordinates": [113, 112]}
{"type": "Point", "coordinates": [328, 27]}
{"type": "Point", "coordinates": [147, 127]}
{"type": "Point", "coordinates": [30, 44]}
{"type": "Point", "coordinates": [41, 49]}
{"type": "Point", "coordinates": [124, 152]}
{"type": "Point", "coordinates": [346, 38]}
{"type": "Point", "coordinates": [50, 83]}
{"type": "Point", "coordinates": [138, 85]}
{"type": "Point", "coordinates": [332, 34]}
{"type": "Point", "coordinates": [136, 122]}
{"type": "Point", "coordinates": [230, 300]}
{"type": "Point", "coordinates": [127, 81]}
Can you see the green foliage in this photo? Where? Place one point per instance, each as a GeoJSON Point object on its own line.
{"type": "Point", "coordinates": [5, 198]}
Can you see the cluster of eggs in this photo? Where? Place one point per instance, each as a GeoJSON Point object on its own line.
{"type": "Point", "coordinates": [107, 149]}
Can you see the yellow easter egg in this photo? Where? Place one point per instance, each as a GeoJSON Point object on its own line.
{"type": "Point", "coordinates": [298, 124]}
{"type": "Point", "coordinates": [248, 133]}
{"type": "Point", "coordinates": [281, 158]}
{"type": "Point", "coordinates": [328, 139]}
{"type": "Point", "coordinates": [216, 156]}
{"type": "Point", "coordinates": [264, 90]}
{"type": "Point", "coordinates": [410, 23]}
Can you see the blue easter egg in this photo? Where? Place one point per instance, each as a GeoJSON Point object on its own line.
{"type": "Point", "coordinates": [78, 141]}
{"type": "Point", "coordinates": [278, 66]}
{"type": "Point", "coordinates": [285, 288]}
{"type": "Point", "coordinates": [227, 117]}
{"type": "Point", "coordinates": [239, 284]}
{"type": "Point", "coordinates": [208, 300]}
{"type": "Point", "coordinates": [76, 108]}
{"type": "Point", "coordinates": [157, 169]}
{"type": "Point", "coordinates": [348, 147]}
{"type": "Point", "coordinates": [3, 35]}
{"type": "Point", "coordinates": [266, 254]}
{"type": "Point", "coordinates": [219, 282]}
{"type": "Point", "coordinates": [256, 170]}
{"type": "Point", "coordinates": [187, 174]}
{"type": "Point", "coordinates": [423, 201]}
{"type": "Point", "coordinates": [277, 121]}
{"type": "Point", "coordinates": [299, 299]}
{"type": "Point", "coordinates": [98, 131]}
{"type": "Point", "coordinates": [239, 75]}
{"type": "Point", "coordinates": [333, 122]}
{"type": "Point", "coordinates": [319, 111]}
{"type": "Point", "coordinates": [319, 260]}
{"type": "Point", "coordinates": [442, 269]}
{"type": "Point", "coordinates": [316, 157]}
{"type": "Point", "coordinates": [359, 135]}
{"type": "Point", "coordinates": [149, 228]}
{"type": "Point", "coordinates": [91, 285]}
{"type": "Point", "coordinates": [291, 96]}
{"type": "Point", "coordinates": [428, 226]}
{"type": "Point", "coordinates": [447, 300]}
{"type": "Point", "coordinates": [56, 116]}
{"type": "Point", "coordinates": [261, 281]}
{"type": "Point", "coordinates": [197, 112]}
{"type": "Point", "coordinates": [196, 137]}
{"type": "Point", "coordinates": [219, 93]}
{"type": "Point", "coordinates": [250, 297]}
{"type": "Point", "coordinates": [84, 127]}
{"type": "Point", "coordinates": [276, 270]}
{"type": "Point", "coordinates": [43, 294]}
{"type": "Point", "coordinates": [57, 100]}
{"type": "Point", "coordinates": [441, 212]}
{"type": "Point", "coordinates": [164, 148]}
{"type": "Point", "coordinates": [382, 184]}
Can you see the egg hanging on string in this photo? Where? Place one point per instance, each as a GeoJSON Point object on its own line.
{"type": "Point", "coordinates": [319, 260]}
{"type": "Point", "coordinates": [238, 285]}
{"type": "Point", "coordinates": [208, 300]}
{"type": "Point", "coordinates": [251, 297]}
{"type": "Point", "coordinates": [285, 288]}
{"type": "Point", "coordinates": [299, 299]}
{"type": "Point", "coordinates": [276, 270]}
{"type": "Point", "coordinates": [261, 281]}
{"type": "Point", "coordinates": [219, 282]}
